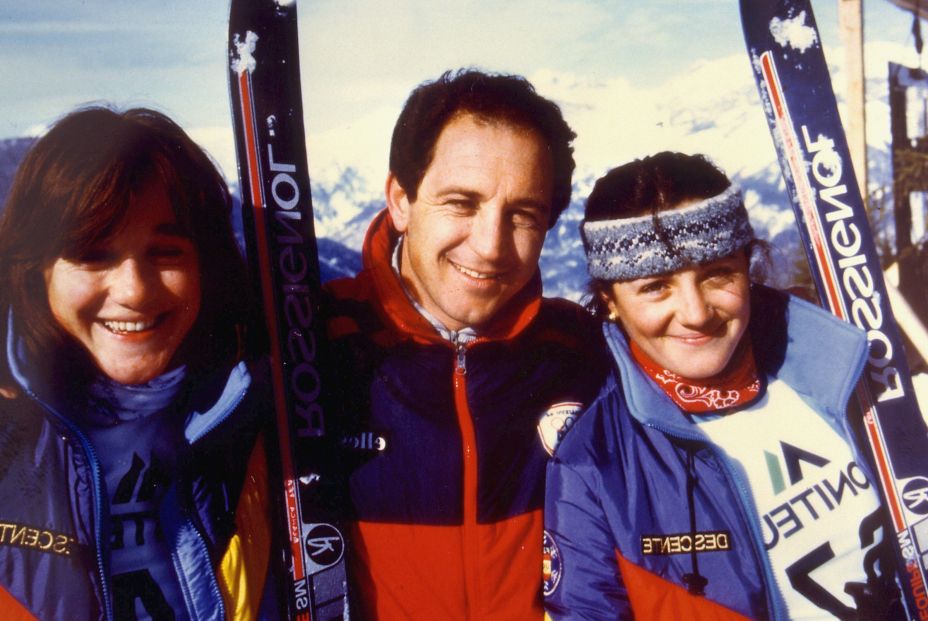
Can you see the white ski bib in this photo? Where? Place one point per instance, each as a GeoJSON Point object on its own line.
{"type": "Point", "coordinates": [817, 509]}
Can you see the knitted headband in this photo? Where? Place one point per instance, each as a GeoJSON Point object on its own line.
{"type": "Point", "coordinates": [631, 248]}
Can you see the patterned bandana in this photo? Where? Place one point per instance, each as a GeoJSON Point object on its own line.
{"type": "Point", "coordinates": [736, 386]}
{"type": "Point", "coordinates": [632, 248]}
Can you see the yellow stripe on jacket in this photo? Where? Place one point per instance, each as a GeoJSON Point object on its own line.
{"type": "Point", "coordinates": [244, 566]}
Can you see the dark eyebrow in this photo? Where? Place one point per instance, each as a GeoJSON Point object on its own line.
{"type": "Point", "coordinates": [172, 229]}
{"type": "Point", "coordinates": [540, 205]}
{"type": "Point", "coordinates": [456, 190]}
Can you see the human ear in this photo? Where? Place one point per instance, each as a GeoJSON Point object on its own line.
{"type": "Point", "coordinates": [611, 305]}
{"type": "Point", "coordinates": [397, 203]}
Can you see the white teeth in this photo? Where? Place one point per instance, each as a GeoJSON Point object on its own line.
{"type": "Point", "coordinates": [128, 326]}
{"type": "Point", "coordinates": [472, 273]}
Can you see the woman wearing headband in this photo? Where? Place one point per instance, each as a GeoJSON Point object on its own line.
{"type": "Point", "coordinates": [715, 476]}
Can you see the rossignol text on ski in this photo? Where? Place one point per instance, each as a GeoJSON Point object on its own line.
{"type": "Point", "coordinates": [278, 216]}
{"type": "Point", "coordinates": [795, 88]}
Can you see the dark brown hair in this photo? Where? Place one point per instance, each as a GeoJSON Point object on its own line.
{"type": "Point", "coordinates": [72, 191]}
{"type": "Point", "coordinates": [653, 184]}
{"type": "Point", "coordinates": [508, 99]}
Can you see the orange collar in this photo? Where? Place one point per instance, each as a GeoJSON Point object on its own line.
{"type": "Point", "coordinates": [397, 310]}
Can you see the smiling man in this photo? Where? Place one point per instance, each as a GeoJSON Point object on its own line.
{"type": "Point", "coordinates": [456, 378]}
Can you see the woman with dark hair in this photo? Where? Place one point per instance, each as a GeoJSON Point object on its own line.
{"type": "Point", "coordinates": [715, 476]}
{"type": "Point", "coordinates": [133, 471]}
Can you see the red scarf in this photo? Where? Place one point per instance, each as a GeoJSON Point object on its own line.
{"type": "Point", "coordinates": [738, 384]}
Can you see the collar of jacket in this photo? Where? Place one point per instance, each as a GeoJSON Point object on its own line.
{"type": "Point", "coordinates": [816, 354]}
{"type": "Point", "coordinates": [215, 397]}
{"type": "Point", "coordinates": [396, 309]}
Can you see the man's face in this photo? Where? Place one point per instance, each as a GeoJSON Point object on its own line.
{"type": "Point", "coordinates": [475, 231]}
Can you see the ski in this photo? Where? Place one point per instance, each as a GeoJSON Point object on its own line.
{"type": "Point", "coordinates": [267, 115]}
{"type": "Point", "coordinates": [795, 89]}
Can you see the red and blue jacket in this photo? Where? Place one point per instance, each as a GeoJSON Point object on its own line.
{"type": "Point", "coordinates": [641, 504]}
{"type": "Point", "coordinates": [447, 464]}
{"type": "Point", "coordinates": [54, 523]}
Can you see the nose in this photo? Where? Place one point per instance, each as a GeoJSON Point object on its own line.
{"type": "Point", "coordinates": [130, 284]}
{"type": "Point", "coordinates": [693, 307]}
{"type": "Point", "coordinates": [489, 237]}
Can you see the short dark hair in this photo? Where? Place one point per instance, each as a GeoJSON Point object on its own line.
{"type": "Point", "coordinates": [506, 98]}
{"type": "Point", "coordinates": [72, 191]}
{"type": "Point", "coordinates": [653, 184]}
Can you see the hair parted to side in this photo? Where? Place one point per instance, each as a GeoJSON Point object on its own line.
{"type": "Point", "coordinates": [72, 191]}
{"type": "Point", "coordinates": [651, 185]}
{"type": "Point", "coordinates": [508, 99]}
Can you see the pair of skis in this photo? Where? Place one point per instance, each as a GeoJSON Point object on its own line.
{"type": "Point", "coordinates": [795, 89]}
{"type": "Point", "coordinates": [267, 113]}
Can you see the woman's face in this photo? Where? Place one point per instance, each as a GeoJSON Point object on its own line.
{"type": "Point", "coordinates": [132, 300]}
{"type": "Point", "coordinates": [689, 321]}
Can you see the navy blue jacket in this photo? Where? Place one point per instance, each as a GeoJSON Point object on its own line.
{"type": "Point", "coordinates": [54, 527]}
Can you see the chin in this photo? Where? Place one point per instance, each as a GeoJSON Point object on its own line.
{"type": "Point", "coordinates": [700, 371]}
{"type": "Point", "coordinates": [132, 376]}
{"type": "Point", "coordinates": [699, 375]}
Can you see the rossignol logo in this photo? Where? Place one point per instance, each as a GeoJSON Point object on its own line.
{"type": "Point", "coordinates": [293, 266]}
{"type": "Point", "coordinates": [915, 495]}
{"type": "Point", "coordinates": [807, 501]}
{"type": "Point", "coordinates": [686, 543]}
{"type": "Point", "coordinates": [551, 566]}
{"type": "Point", "coordinates": [852, 272]}
{"type": "Point", "coordinates": [820, 182]}
{"type": "Point", "coordinates": [325, 545]}
{"type": "Point", "coordinates": [555, 422]}
{"type": "Point", "coordinates": [41, 539]}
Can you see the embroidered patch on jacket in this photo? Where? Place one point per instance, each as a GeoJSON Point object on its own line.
{"type": "Point", "coordinates": [551, 568]}
{"type": "Point", "coordinates": [685, 543]}
{"type": "Point", "coordinates": [40, 539]}
{"type": "Point", "coordinates": [555, 422]}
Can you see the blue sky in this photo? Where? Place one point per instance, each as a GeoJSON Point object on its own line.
{"type": "Point", "coordinates": [360, 59]}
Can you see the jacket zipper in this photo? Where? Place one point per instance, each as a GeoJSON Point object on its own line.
{"type": "Point", "coordinates": [190, 518]}
{"type": "Point", "coordinates": [471, 549]}
{"type": "Point", "coordinates": [747, 509]}
{"type": "Point", "coordinates": [99, 506]}
{"type": "Point", "coordinates": [182, 577]}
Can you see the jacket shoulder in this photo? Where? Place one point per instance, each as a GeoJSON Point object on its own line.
{"type": "Point", "coordinates": [814, 352]}
{"type": "Point", "coordinates": [592, 438]}
{"type": "Point", "coordinates": [349, 307]}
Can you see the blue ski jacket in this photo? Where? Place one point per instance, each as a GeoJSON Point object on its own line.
{"type": "Point", "coordinates": [447, 446]}
{"type": "Point", "coordinates": [54, 527]}
{"type": "Point", "coordinates": [619, 541]}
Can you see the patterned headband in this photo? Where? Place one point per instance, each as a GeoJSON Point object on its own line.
{"type": "Point", "coordinates": [631, 248]}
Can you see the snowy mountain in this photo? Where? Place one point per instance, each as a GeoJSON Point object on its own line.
{"type": "Point", "coordinates": [616, 121]}
{"type": "Point", "coordinates": [11, 153]}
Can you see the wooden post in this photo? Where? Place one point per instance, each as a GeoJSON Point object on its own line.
{"type": "Point", "coordinates": [851, 26]}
